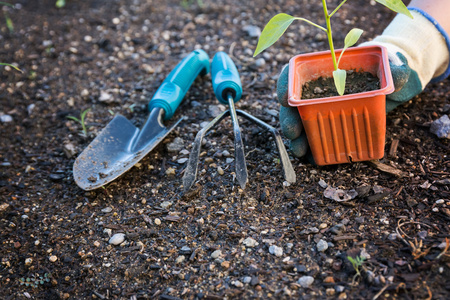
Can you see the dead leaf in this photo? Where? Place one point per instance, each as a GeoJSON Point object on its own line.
{"type": "Point", "coordinates": [339, 195]}
{"type": "Point", "coordinates": [387, 169]}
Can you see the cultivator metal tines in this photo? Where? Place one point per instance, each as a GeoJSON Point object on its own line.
{"type": "Point", "coordinates": [228, 89]}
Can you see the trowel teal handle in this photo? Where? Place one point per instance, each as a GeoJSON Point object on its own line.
{"type": "Point", "coordinates": [174, 87]}
{"type": "Point", "coordinates": [225, 78]}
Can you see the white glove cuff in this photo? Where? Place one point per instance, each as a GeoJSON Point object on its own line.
{"type": "Point", "coordinates": [423, 42]}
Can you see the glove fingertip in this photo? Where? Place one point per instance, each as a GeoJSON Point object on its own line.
{"type": "Point", "coordinates": [282, 86]}
{"type": "Point", "coordinates": [291, 123]}
{"type": "Point", "coordinates": [299, 146]}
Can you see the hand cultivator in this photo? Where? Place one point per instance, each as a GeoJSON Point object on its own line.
{"type": "Point", "coordinates": [121, 145]}
{"type": "Point", "coordinates": [228, 90]}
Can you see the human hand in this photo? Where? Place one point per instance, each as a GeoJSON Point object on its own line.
{"type": "Point", "coordinates": [290, 121]}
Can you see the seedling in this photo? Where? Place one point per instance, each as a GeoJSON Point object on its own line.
{"type": "Point", "coordinates": [12, 66]}
{"type": "Point", "coordinates": [276, 27]}
{"type": "Point", "coordinates": [81, 120]}
{"type": "Point", "coordinates": [9, 22]}
{"type": "Point", "coordinates": [357, 263]}
{"type": "Point", "coordinates": [35, 280]}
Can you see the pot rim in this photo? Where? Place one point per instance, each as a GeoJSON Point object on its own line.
{"type": "Point", "coordinates": [385, 71]}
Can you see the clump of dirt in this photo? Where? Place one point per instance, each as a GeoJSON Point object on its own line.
{"type": "Point", "coordinates": [357, 82]}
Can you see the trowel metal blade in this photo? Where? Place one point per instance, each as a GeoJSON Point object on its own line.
{"type": "Point", "coordinates": [118, 147]}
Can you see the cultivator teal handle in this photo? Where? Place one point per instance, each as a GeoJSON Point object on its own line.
{"type": "Point", "coordinates": [225, 78]}
{"type": "Point", "coordinates": [174, 87]}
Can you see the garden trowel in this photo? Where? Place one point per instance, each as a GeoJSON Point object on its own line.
{"type": "Point", "coordinates": [120, 145]}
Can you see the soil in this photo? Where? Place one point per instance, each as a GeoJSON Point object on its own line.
{"type": "Point", "coordinates": [271, 240]}
{"type": "Point", "coordinates": [356, 82]}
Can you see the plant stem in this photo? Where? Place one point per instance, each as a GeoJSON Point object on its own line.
{"type": "Point", "coordinates": [312, 23]}
{"type": "Point", "coordinates": [329, 34]}
{"type": "Point", "coordinates": [336, 9]}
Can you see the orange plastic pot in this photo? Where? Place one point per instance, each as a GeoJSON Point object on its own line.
{"type": "Point", "coordinates": [346, 128]}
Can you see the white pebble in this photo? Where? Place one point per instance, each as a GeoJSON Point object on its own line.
{"type": "Point", "coordinates": [116, 21]}
{"type": "Point", "coordinates": [28, 261]}
{"type": "Point", "coordinates": [305, 281]}
{"type": "Point", "coordinates": [117, 239]}
{"type": "Point", "coordinates": [216, 254]}
{"type": "Point", "coordinates": [53, 258]}
{"type": "Point", "coordinates": [157, 221]}
{"type": "Point", "coordinates": [180, 259]}
{"type": "Point", "coordinates": [275, 250]}
{"type": "Point", "coordinates": [249, 242]}
{"type": "Point", "coordinates": [6, 118]}
{"type": "Point", "coordinates": [322, 246]}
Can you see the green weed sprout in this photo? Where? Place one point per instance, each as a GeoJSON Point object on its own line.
{"type": "Point", "coordinates": [81, 120]}
{"type": "Point", "coordinates": [9, 22]}
{"type": "Point", "coordinates": [12, 66]}
{"type": "Point", "coordinates": [357, 263]}
{"type": "Point", "coordinates": [276, 27]}
{"type": "Point", "coordinates": [35, 281]}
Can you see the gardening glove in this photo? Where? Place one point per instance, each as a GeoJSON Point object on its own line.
{"type": "Point", "coordinates": [418, 51]}
{"type": "Point", "coordinates": [290, 121]}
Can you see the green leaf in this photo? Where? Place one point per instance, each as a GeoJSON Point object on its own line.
{"type": "Point", "coordinates": [350, 39]}
{"type": "Point", "coordinates": [339, 77]}
{"type": "Point", "coordinates": [273, 31]}
{"type": "Point", "coordinates": [12, 66]}
{"type": "Point", "coordinates": [74, 119]}
{"type": "Point", "coordinates": [396, 5]}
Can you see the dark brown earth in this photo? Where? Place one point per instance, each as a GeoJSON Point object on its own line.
{"type": "Point", "coordinates": [110, 57]}
{"type": "Point", "coordinates": [356, 82]}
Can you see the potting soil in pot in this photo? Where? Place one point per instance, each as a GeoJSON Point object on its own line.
{"type": "Point", "coordinates": [357, 82]}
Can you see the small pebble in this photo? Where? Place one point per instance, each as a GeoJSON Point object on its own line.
{"type": "Point", "coordinates": [305, 281]}
{"type": "Point", "coordinates": [170, 171]}
{"type": "Point", "coordinates": [176, 145]}
{"type": "Point", "coordinates": [252, 31]}
{"type": "Point", "coordinates": [157, 221]}
{"type": "Point", "coordinates": [216, 254]}
{"type": "Point", "coordinates": [5, 118]}
{"type": "Point", "coordinates": [322, 246]}
{"type": "Point", "coordinates": [440, 201]}
{"type": "Point", "coordinates": [28, 261]}
{"type": "Point", "coordinates": [97, 244]}
{"type": "Point", "coordinates": [249, 242]}
{"type": "Point", "coordinates": [220, 171]}
{"type": "Point", "coordinates": [275, 250]}
{"type": "Point", "coordinates": [117, 239]}
{"type": "Point", "coordinates": [180, 259]}
{"type": "Point", "coordinates": [166, 204]}
{"type": "Point", "coordinates": [323, 184]}
{"type": "Point", "coordinates": [237, 284]}
{"type": "Point", "coordinates": [247, 279]}
{"type": "Point", "coordinates": [107, 210]}
{"type": "Point", "coordinates": [53, 258]}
